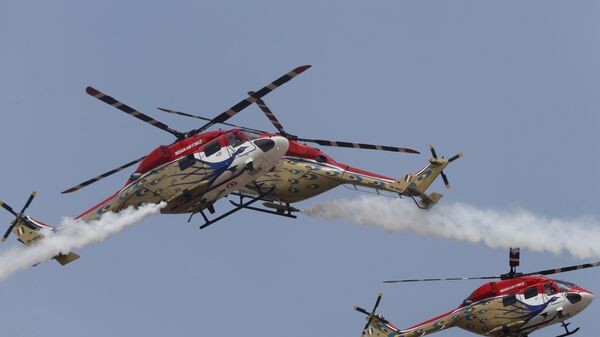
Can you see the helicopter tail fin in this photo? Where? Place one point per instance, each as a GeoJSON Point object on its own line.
{"type": "Point", "coordinates": [29, 231]}
{"type": "Point", "coordinates": [419, 182]}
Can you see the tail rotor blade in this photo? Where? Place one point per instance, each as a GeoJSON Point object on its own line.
{"type": "Point", "coordinates": [456, 156]}
{"type": "Point", "coordinates": [33, 194]}
{"type": "Point", "coordinates": [445, 179]}
{"type": "Point", "coordinates": [8, 208]}
{"type": "Point", "coordinates": [102, 176]}
{"type": "Point", "coordinates": [433, 153]}
{"type": "Point", "coordinates": [7, 233]}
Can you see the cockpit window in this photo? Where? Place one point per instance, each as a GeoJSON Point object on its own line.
{"type": "Point", "coordinates": [549, 289]}
{"type": "Point", "coordinates": [564, 285]}
{"type": "Point", "coordinates": [530, 292]}
{"type": "Point", "coordinates": [234, 139]}
{"type": "Point", "coordinates": [212, 148]}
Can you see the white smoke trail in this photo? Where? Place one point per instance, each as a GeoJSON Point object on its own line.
{"type": "Point", "coordinates": [497, 229]}
{"type": "Point", "coordinates": [72, 234]}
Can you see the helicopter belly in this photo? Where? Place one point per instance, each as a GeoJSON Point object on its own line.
{"type": "Point", "coordinates": [295, 181]}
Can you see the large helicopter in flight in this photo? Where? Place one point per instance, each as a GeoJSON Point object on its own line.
{"type": "Point", "coordinates": [306, 171]}
{"type": "Point", "coordinates": [514, 306]}
{"type": "Point", "coordinates": [189, 175]}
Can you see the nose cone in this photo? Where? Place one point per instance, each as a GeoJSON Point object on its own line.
{"type": "Point", "coordinates": [274, 147]}
{"type": "Point", "coordinates": [586, 298]}
{"type": "Point", "coordinates": [579, 300]}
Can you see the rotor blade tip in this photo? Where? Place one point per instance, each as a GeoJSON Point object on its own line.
{"type": "Point", "coordinates": [91, 91]}
{"type": "Point", "coordinates": [302, 68]}
{"type": "Point", "coordinates": [413, 151]}
{"type": "Point", "coordinates": [431, 146]}
{"type": "Point", "coordinates": [34, 193]}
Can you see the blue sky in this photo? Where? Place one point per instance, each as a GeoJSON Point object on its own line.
{"type": "Point", "coordinates": [513, 84]}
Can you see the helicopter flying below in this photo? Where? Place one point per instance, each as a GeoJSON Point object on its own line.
{"type": "Point", "coordinates": [306, 171]}
{"type": "Point", "coordinates": [515, 306]}
{"type": "Point", "coordinates": [189, 175]}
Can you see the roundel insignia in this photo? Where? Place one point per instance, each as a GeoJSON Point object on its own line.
{"type": "Point", "coordinates": [355, 178]}
{"type": "Point", "coordinates": [312, 186]}
{"type": "Point", "coordinates": [424, 175]}
{"type": "Point", "coordinates": [231, 184]}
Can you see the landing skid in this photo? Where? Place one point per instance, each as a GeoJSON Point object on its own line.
{"type": "Point", "coordinates": [285, 211]}
{"type": "Point", "coordinates": [237, 207]}
{"type": "Point", "coordinates": [567, 332]}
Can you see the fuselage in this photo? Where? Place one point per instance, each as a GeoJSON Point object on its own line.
{"type": "Point", "coordinates": [193, 173]}
{"type": "Point", "coordinates": [305, 172]}
{"type": "Point", "coordinates": [512, 307]}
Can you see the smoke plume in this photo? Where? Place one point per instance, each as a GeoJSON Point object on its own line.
{"type": "Point", "coordinates": [72, 234]}
{"type": "Point", "coordinates": [458, 221]}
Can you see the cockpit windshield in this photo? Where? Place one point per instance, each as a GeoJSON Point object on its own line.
{"type": "Point", "coordinates": [234, 139]}
{"type": "Point", "coordinates": [565, 286]}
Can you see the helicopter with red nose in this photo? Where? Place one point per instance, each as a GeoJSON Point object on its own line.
{"type": "Point", "coordinates": [188, 175]}
{"type": "Point", "coordinates": [515, 306]}
{"type": "Point", "coordinates": [306, 171]}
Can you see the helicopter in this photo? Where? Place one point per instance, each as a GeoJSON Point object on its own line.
{"type": "Point", "coordinates": [189, 175]}
{"type": "Point", "coordinates": [515, 306]}
{"type": "Point", "coordinates": [306, 171]}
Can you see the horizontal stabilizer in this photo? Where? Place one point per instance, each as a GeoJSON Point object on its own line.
{"type": "Point", "coordinates": [66, 259]}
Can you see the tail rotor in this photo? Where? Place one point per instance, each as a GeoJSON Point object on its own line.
{"type": "Point", "coordinates": [18, 216]}
{"type": "Point", "coordinates": [371, 314]}
{"type": "Point", "coordinates": [453, 158]}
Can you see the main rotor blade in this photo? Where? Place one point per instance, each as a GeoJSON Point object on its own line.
{"type": "Point", "coordinates": [564, 269]}
{"type": "Point", "coordinates": [241, 105]}
{"type": "Point", "coordinates": [131, 111]}
{"type": "Point", "coordinates": [33, 194]}
{"type": "Point", "coordinates": [208, 119]}
{"type": "Point", "coordinates": [445, 279]}
{"type": "Point", "coordinates": [8, 208]}
{"type": "Point", "coordinates": [270, 115]}
{"type": "Point", "coordinates": [104, 175]}
{"type": "Point", "coordinates": [355, 145]}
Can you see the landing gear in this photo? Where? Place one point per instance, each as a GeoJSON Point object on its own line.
{"type": "Point", "coordinates": [567, 332]}
{"type": "Point", "coordinates": [237, 207]}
